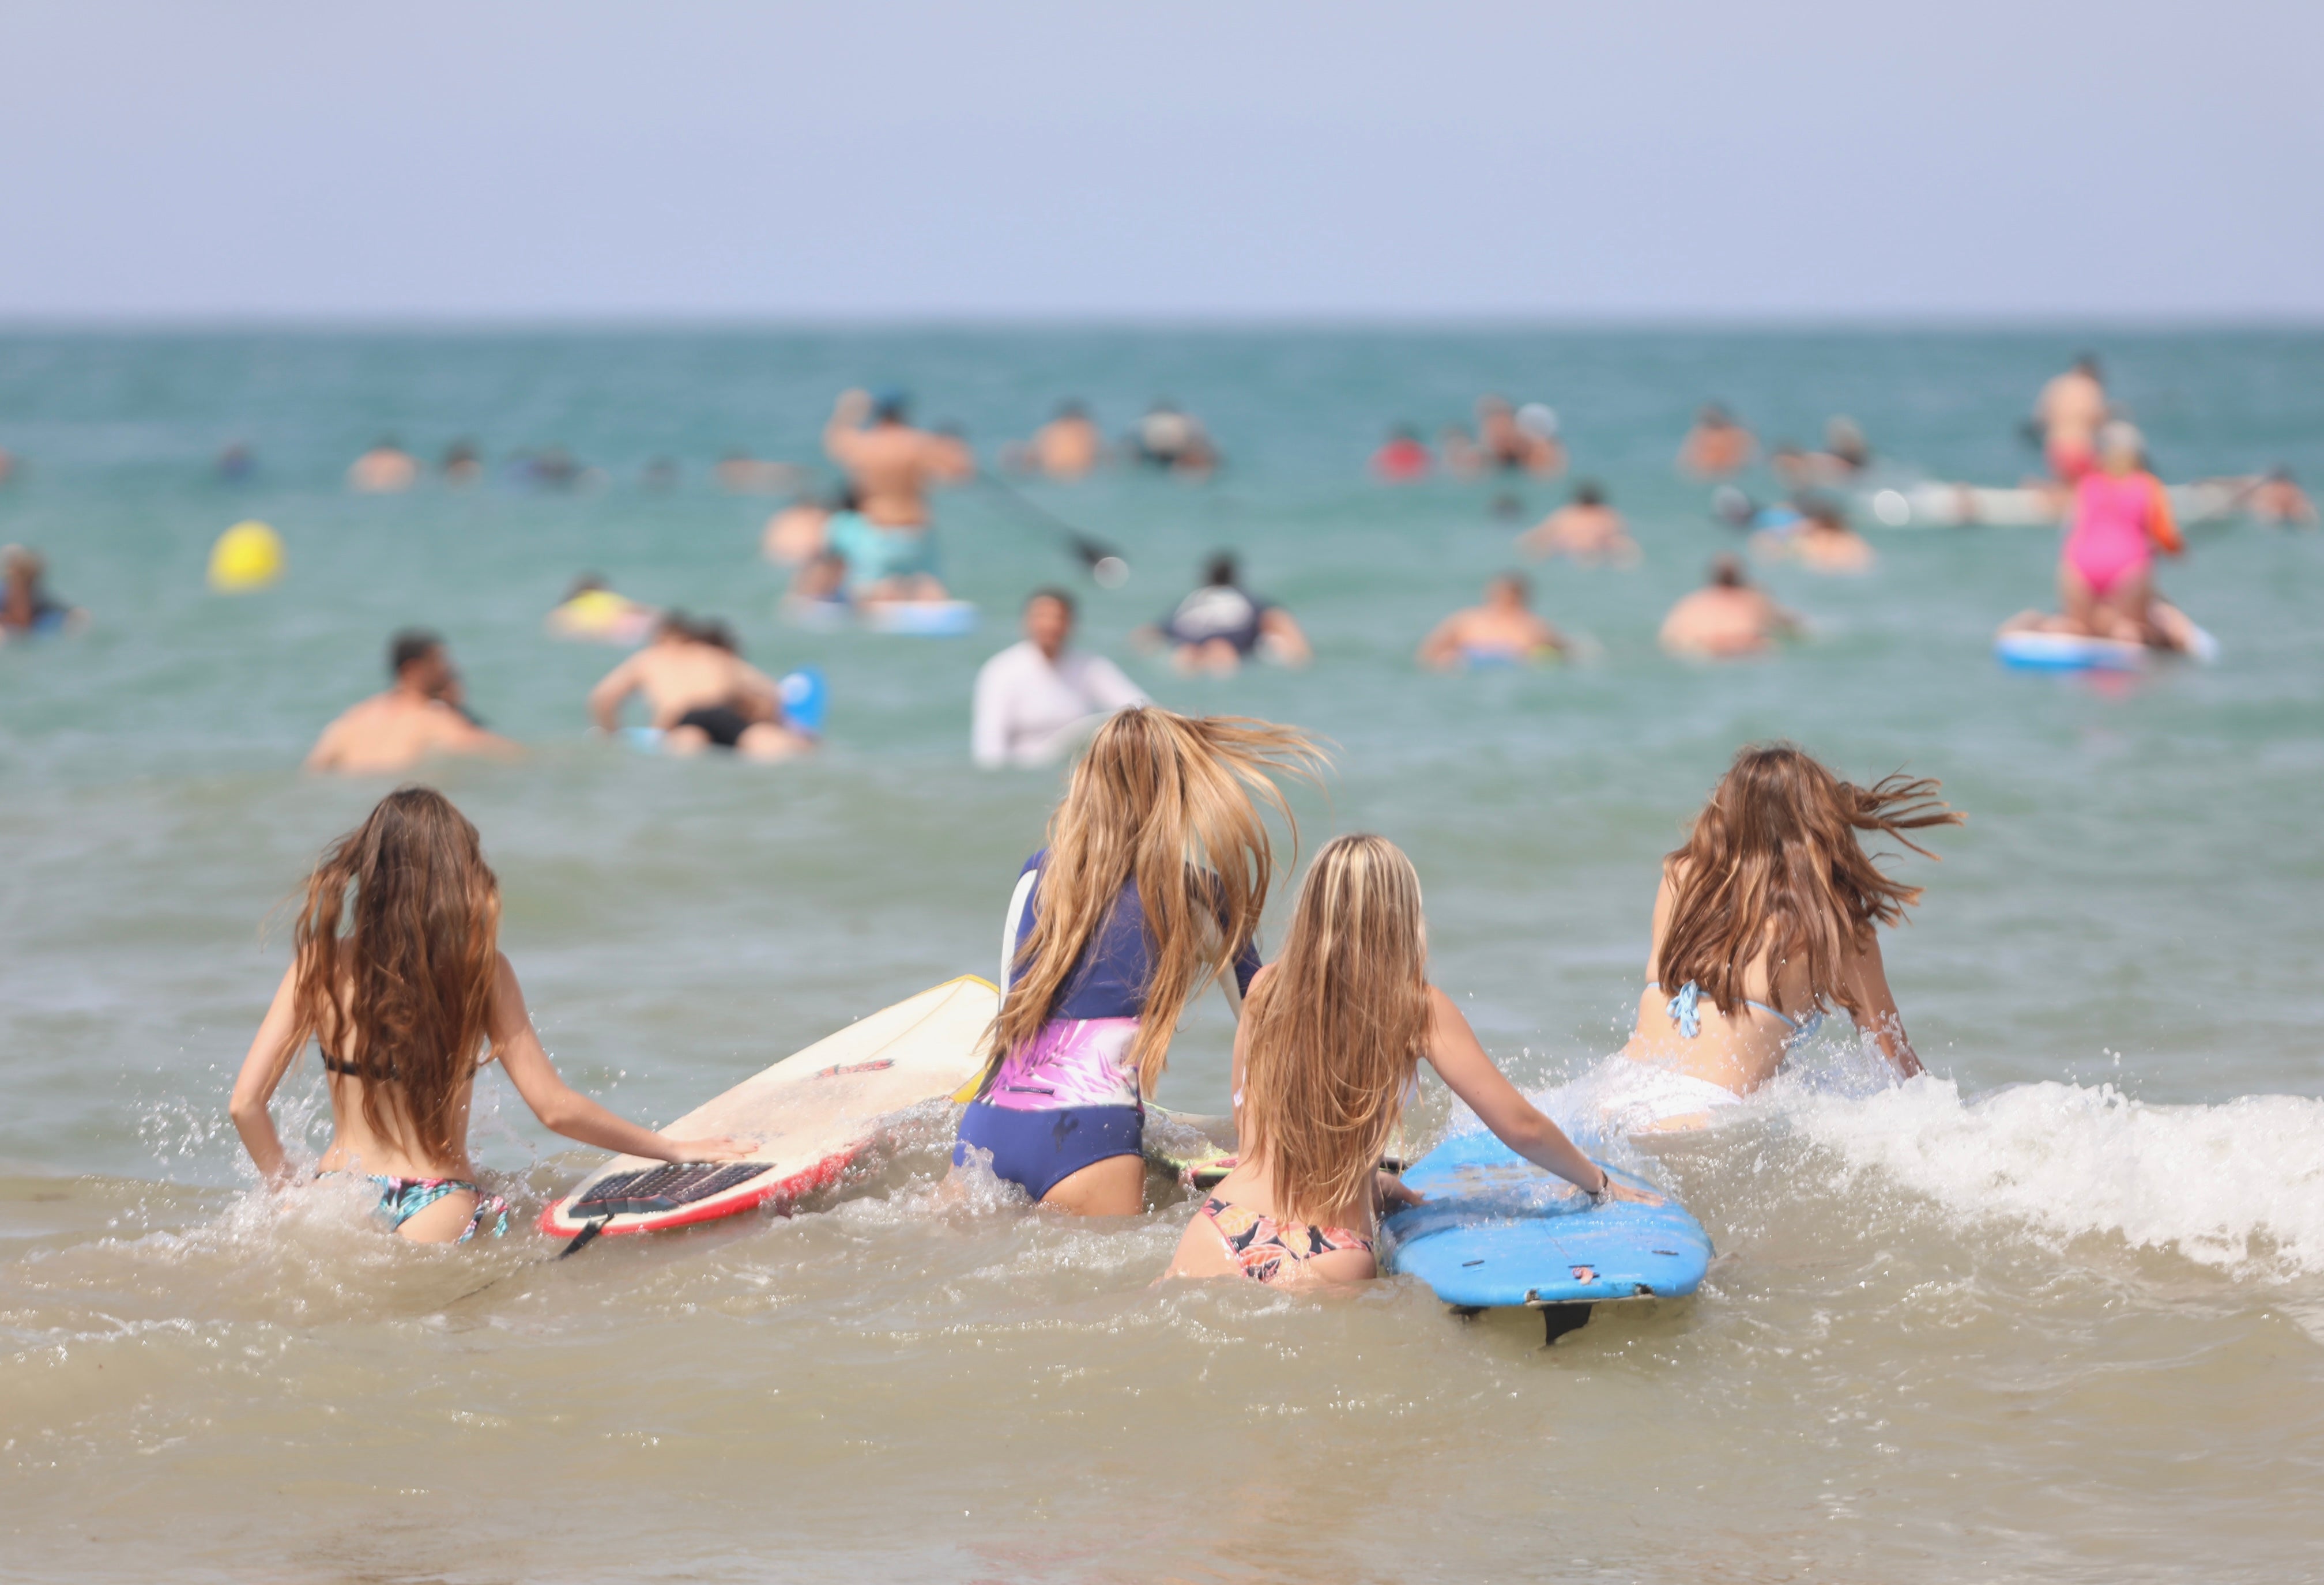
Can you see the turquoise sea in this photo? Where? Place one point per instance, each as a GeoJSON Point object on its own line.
{"type": "Point", "coordinates": [2055, 1312]}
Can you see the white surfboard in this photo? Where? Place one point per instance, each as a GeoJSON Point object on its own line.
{"type": "Point", "coordinates": [812, 1113]}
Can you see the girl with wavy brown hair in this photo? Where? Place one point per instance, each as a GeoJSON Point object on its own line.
{"type": "Point", "coordinates": [397, 978]}
{"type": "Point", "coordinates": [1156, 869]}
{"type": "Point", "coordinates": [1334, 1033]}
{"type": "Point", "coordinates": [1767, 919]}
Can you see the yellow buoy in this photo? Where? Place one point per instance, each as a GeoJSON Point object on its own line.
{"type": "Point", "coordinates": [247, 556]}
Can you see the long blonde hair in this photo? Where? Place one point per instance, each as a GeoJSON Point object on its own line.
{"type": "Point", "coordinates": [1772, 867]}
{"type": "Point", "coordinates": [402, 993]}
{"type": "Point", "coordinates": [1334, 1033]}
{"type": "Point", "coordinates": [1171, 803]}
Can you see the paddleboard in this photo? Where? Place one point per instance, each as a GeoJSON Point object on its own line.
{"type": "Point", "coordinates": [806, 702]}
{"type": "Point", "coordinates": [812, 1113]}
{"type": "Point", "coordinates": [921, 619]}
{"type": "Point", "coordinates": [1497, 1230]}
{"type": "Point", "coordinates": [2045, 651]}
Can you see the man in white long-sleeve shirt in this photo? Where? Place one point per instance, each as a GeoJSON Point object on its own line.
{"type": "Point", "coordinates": [1035, 700]}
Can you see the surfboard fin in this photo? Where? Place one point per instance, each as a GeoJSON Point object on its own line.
{"type": "Point", "coordinates": [584, 1238]}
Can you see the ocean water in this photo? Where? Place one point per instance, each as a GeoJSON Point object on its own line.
{"type": "Point", "coordinates": [2054, 1311]}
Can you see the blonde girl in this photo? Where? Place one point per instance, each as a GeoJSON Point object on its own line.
{"type": "Point", "coordinates": [1151, 886]}
{"type": "Point", "coordinates": [1767, 919]}
{"type": "Point", "coordinates": [1331, 1039]}
{"type": "Point", "coordinates": [397, 978]}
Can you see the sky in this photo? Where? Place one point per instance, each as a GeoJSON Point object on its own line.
{"type": "Point", "coordinates": [1250, 159]}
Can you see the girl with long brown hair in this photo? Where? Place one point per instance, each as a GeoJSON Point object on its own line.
{"type": "Point", "coordinates": [1332, 1036]}
{"type": "Point", "coordinates": [1767, 917]}
{"type": "Point", "coordinates": [396, 974]}
{"type": "Point", "coordinates": [1151, 886]}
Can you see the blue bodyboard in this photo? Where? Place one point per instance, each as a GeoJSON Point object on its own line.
{"type": "Point", "coordinates": [1497, 1230]}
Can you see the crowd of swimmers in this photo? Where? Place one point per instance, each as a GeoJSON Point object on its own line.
{"type": "Point", "coordinates": [1763, 922]}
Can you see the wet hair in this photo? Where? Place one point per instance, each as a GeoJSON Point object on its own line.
{"type": "Point", "coordinates": [410, 645]}
{"type": "Point", "coordinates": [1221, 569]}
{"type": "Point", "coordinates": [890, 406]}
{"type": "Point", "coordinates": [675, 622]}
{"type": "Point", "coordinates": [718, 634]}
{"type": "Point", "coordinates": [1727, 572]}
{"type": "Point", "coordinates": [1170, 803]}
{"type": "Point", "coordinates": [1512, 579]}
{"type": "Point", "coordinates": [1334, 1033]}
{"type": "Point", "coordinates": [588, 583]}
{"type": "Point", "coordinates": [1073, 407]}
{"type": "Point", "coordinates": [1051, 592]}
{"type": "Point", "coordinates": [396, 951]}
{"type": "Point", "coordinates": [1772, 871]}
{"type": "Point", "coordinates": [1589, 493]}
{"type": "Point", "coordinates": [1714, 415]}
{"type": "Point", "coordinates": [2086, 362]}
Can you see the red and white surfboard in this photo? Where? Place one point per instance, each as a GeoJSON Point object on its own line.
{"type": "Point", "coordinates": [814, 1112]}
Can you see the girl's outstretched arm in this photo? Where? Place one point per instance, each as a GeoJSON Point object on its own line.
{"type": "Point", "coordinates": [1462, 1062]}
{"type": "Point", "coordinates": [564, 1109]}
{"type": "Point", "coordinates": [269, 1057]}
{"type": "Point", "coordinates": [1879, 1004]}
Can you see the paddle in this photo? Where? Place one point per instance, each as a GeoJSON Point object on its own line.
{"type": "Point", "coordinates": [1106, 565]}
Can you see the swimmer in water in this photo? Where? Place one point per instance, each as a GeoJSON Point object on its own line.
{"type": "Point", "coordinates": [1717, 446]}
{"type": "Point", "coordinates": [1219, 624]}
{"type": "Point", "coordinates": [1173, 442]}
{"type": "Point", "coordinates": [26, 608]}
{"type": "Point", "coordinates": [1150, 887]}
{"type": "Point", "coordinates": [421, 714]}
{"type": "Point", "coordinates": [702, 694]}
{"type": "Point", "coordinates": [463, 466]}
{"type": "Point", "coordinates": [1586, 529]}
{"type": "Point", "coordinates": [1326, 1058]}
{"type": "Point", "coordinates": [1821, 539]}
{"type": "Point", "coordinates": [1402, 458]}
{"type": "Point", "coordinates": [2067, 416]}
{"type": "Point", "coordinates": [1463, 456]}
{"type": "Point", "coordinates": [592, 611]}
{"type": "Point", "coordinates": [1069, 446]}
{"type": "Point", "coordinates": [1726, 620]}
{"type": "Point", "coordinates": [397, 976]}
{"type": "Point", "coordinates": [889, 540]}
{"type": "Point", "coordinates": [2278, 502]}
{"type": "Point", "coordinates": [797, 533]}
{"type": "Point", "coordinates": [1765, 920]}
{"type": "Point", "coordinates": [1503, 629]}
{"type": "Point", "coordinates": [386, 469]}
{"type": "Point", "coordinates": [739, 473]}
{"type": "Point", "coordinates": [1514, 442]}
{"type": "Point", "coordinates": [1037, 699]}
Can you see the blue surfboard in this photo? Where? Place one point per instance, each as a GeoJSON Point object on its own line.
{"type": "Point", "coordinates": [1497, 1230]}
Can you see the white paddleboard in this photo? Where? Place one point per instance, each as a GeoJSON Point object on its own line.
{"type": "Point", "coordinates": [812, 1113]}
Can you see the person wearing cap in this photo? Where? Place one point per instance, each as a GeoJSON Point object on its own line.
{"type": "Point", "coordinates": [887, 540]}
{"type": "Point", "coordinates": [1037, 699]}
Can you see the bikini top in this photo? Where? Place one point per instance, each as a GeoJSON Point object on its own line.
{"type": "Point", "coordinates": [1685, 1010]}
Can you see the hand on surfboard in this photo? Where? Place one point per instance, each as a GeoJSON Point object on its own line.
{"type": "Point", "coordinates": [1393, 1195]}
{"type": "Point", "coordinates": [718, 1148]}
{"type": "Point", "coordinates": [1619, 1190]}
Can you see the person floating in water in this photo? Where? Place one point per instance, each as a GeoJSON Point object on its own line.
{"type": "Point", "coordinates": [1821, 539]}
{"type": "Point", "coordinates": [463, 464]}
{"type": "Point", "coordinates": [1326, 1058]}
{"type": "Point", "coordinates": [2120, 516]}
{"type": "Point", "coordinates": [421, 714]}
{"type": "Point", "coordinates": [386, 469]}
{"type": "Point", "coordinates": [1503, 631]}
{"type": "Point", "coordinates": [1069, 446]}
{"type": "Point", "coordinates": [1039, 699]}
{"type": "Point", "coordinates": [1402, 458]}
{"type": "Point", "coordinates": [1726, 620]}
{"type": "Point", "coordinates": [1717, 446]}
{"type": "Point", "coordinates": [702, 694]}
{"type": "Point", "coordinates": [1586, 529]}
{"type": "Point", "coordinates": [2278, 502]}
{"type": "Point", "coordinates": [1765, 920]}
{"type": "Point", "coordinates": [592, 611]}
{"type": "Point", "coordinates": [27, 610]}
{"type": "Point", "coordinates": [887, 540]}
{"type": "Point", "coordinates": [1214, 628]}
{"type": "Point", "coordinates": [2067, 416]}
{"type": "Point", "coordinates": [397, 976]}
{"type": "Point", "coordinates": [1152, 884]}
{"type": "Point", "coordinates": [1173, 442]}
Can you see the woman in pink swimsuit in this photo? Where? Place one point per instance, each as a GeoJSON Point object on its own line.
{"type": "Point", "coordinates": [2121, 514]}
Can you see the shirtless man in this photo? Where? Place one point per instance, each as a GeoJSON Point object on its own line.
{"type": "Point", "coordinates": [1727, 620]}
{"type": "Point", "coordinates": [1065, 447]}
{"type": "Point", "coordinates": [1503, 629]}
{"type": "Point", "coordinates": [1717, 446]}
{"type": "Point", "coordinates": [702, 694]}
{"type": "Point", "coordinates": [418, 716]}
{"type": "Point", "coordinates": [887, 541]}
{"type": "Point", "coordinates": [383, 470]}
{"type": "Point", "coordinates": [2069, 413]}
{"type": "Point", "coordinates": [1820, 541]}
{"type": "Point", "coordinates": [1586, 529]}
{"type": "Point", "coordinates": [2278, 502]}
